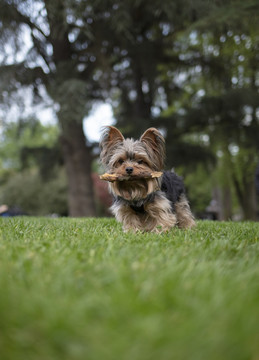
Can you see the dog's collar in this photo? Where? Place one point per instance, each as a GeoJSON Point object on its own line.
{"type": "Point", "coordinates": [138, 209]}
{"type": "Point", "coordinates": [138, 205]}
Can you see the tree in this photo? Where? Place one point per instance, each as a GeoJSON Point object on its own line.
{"type": "Point", "coordinates": [192, 71]}
{"type": "Point", "coordinates": [151, 58]}
{"type": "Point", "coordinates": [145, 40]}
{"type": "Point", "coordinates": [70, 44]}
{"type": "Point", "coordinates": [227, 110]}
{"type": "Point", "coordinates": [60, 61]}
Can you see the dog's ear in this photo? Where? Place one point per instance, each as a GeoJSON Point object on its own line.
{"type": "Point", "coordinates": [111, 138]}
{"type": "Point", "coordinates": [112, 134]}
{"type": "Point", "coordinates": [155, 144]}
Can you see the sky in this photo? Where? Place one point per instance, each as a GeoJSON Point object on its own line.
{"type": "Point", "coordinates": [101, 115]}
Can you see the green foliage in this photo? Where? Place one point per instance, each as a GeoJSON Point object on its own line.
{"type": "Point", "coordinates": [199, 185]}
{"type": "Point", "coordinates": [76, 289]}
{"type": "Point", "coordinates": [29, 164]}
{"type": "Point", "coordinates": [27, 134]}
{"type": "Point", "coordinates": [35, 196]}
{"type": "Point", "coordinates": [244, 165]}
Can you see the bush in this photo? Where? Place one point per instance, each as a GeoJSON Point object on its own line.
{"type": "Point", "coordinates": [34, 196]}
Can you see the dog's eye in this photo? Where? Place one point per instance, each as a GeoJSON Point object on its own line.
{"type": "Point", "coordinates": [121, 161]}
{"type": "Point", "coordinates": [140, 162]}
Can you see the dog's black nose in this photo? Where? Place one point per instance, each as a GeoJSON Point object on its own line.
{"type": "Point", "coordinates": [129, 170]}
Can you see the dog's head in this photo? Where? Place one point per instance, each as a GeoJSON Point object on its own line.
{"type": "Point", "coordinates": [129, 157]}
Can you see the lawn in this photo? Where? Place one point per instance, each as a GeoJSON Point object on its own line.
{"type": "Point", "coordinates": [82, 289]}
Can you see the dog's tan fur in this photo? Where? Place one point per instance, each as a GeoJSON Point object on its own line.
{"type": "Point", "coordinates": [157, 217]}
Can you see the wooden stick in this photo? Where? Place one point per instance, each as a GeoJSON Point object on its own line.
{"type": "Point", "coordinates": [141, 175]}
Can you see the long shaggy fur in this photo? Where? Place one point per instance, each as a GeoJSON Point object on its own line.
{"type": "Point", "coordinates": [155, 204]}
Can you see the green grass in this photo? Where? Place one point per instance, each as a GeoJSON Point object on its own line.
{"type": "Point", "coordinates": [82, 289]}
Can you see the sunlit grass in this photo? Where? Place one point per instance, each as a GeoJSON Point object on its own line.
{"type": "Point", "coordinates": [82, 289]}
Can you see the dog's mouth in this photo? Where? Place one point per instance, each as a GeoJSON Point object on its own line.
{"type": "Point", "coordinates": [134, 189]}
{"type": "Point", "coordinates": [128, 177]}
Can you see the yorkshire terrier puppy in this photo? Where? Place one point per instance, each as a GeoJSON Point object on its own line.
{"type": "Point", "coordinates": [143, 204]}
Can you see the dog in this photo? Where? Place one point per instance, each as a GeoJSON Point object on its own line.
{"type": "Point", "coordinates": [144, 204]}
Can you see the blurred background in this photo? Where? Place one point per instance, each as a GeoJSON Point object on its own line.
{"type": "Point", "coordinates": [187, 67]}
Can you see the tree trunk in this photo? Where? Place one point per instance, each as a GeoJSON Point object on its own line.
{"type": "Point", "coordinates": [249, 202]}
{"type": "Point", "coordinates": [77, 159]}
{"type": "Point", "coordinates": [247, 198]}
{"type": "Point", "coordinates": [225, 204]}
